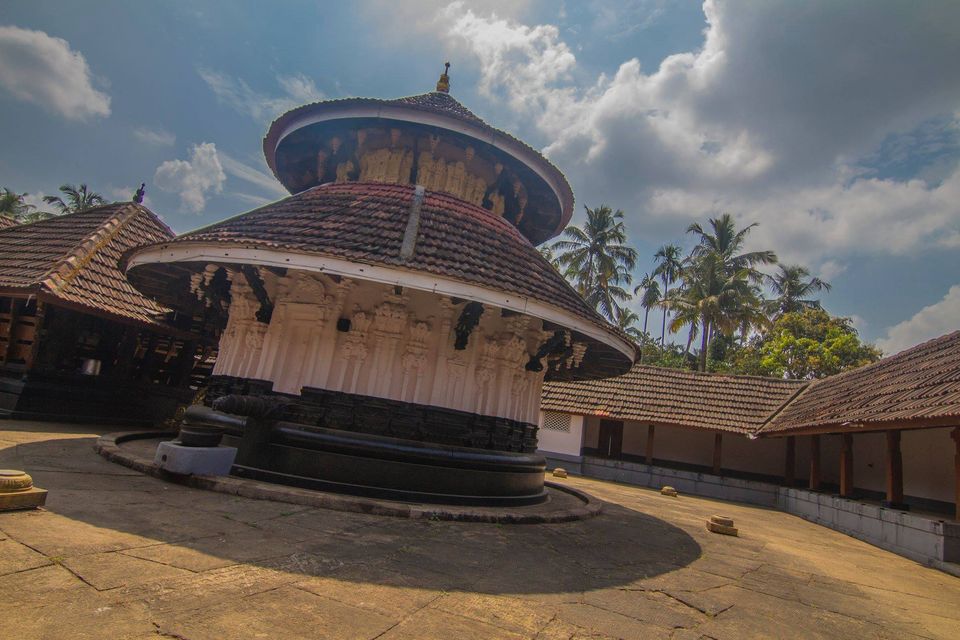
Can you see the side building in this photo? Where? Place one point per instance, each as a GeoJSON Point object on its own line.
{"type": "Point", "coordinates": [874, 452]}
{"type": "Point", "coordinates": [77, 341]}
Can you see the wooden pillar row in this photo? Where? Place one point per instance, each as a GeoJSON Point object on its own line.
{"type": "Point", "coordinates": [894, 470]}
{"type": "Point", "coordinates": [790, 462]}
{"type": "Point", "coordinates": [846, 465]}
{"type": "Point", "coordinates": [717, 449]}
{"type": "Point", "coordinates": [814, 463]}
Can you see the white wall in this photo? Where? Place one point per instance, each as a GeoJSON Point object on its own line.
{"type": "Point", "coordinates": [928, 465]}
{"type": "Point", "coordinates": [399, 346]}
{"type": "Point", "coordinates": [566, 443]}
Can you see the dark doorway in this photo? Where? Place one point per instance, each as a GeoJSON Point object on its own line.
{"type": "Point", "coordinates": [611, 438]}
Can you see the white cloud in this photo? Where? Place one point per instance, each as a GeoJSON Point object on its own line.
{"type": "Point", "coordinates": [159, 137]}
{"type": "Point", "coordinates": [930, 322]}
{"type": "Point", "coordinates": [236, 93]}
{"type": "Point", "coordinates": [38, 68]}
{"type": "Point", "coordinates": [193, 179]}
{"type": "Point", "coordinates": [830, 269]}
{"type": "Point", "coordinates": [767, 122]}
{"type": "Point", "coordinates": [245, 172]}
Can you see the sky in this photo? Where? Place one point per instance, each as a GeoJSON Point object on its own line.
{"type": "Point", "coordinates": [835, 126]}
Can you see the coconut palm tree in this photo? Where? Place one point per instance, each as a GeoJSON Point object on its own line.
{"type": "Point", "coordinates": [719, 290]}
{"type": "Point", "coordinates": [77, 199]}
{"type": "Point", "coordinates": [725, 243]}
{"type": "Point", "coordinates": [649, 292]}
{"type": "Point", "coordinates": [597, 260]}
{"type": "Point", "coordinates": [14, 206]}
{"type": "Point", "coordinates": [627, 320]}
{"type": "Point", "coordinates": [792, 285]}
{"type": "Point", "coordinates": [669, 267]}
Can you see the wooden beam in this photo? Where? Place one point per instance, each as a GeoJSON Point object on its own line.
{"type": "Point", "coordinates": [955, 434]}
{"type": "Point", "coordinates": [814, 463]}
{"type": "Point", "coordinates": [790, 462]}
{"type": "Point", "coordinates": [12, 337]}
{"type": "Point", "coordinates": [717, 448]}
{"type": "Point", "coordinates": [894, 470]}
{"type": "Point", "coordinates": [846, 465]}
{"type": "Point", "coordinates": [650, 431]}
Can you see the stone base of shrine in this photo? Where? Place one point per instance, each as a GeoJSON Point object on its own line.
{"type": "Point", "coordinates": [561, 503]}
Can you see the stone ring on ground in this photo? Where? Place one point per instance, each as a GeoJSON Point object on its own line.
{"type": "Point", "coordinates": [134, 450]}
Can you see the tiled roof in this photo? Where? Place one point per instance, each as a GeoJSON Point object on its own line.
{"type": "Point", "coordinates": [920, 386]}
{"type": "Point", "coordinates": [675, 397]}
{"type": "Point", "coordinates": [436, 103]}
{"type": "Point", "coordinates": [365, 223]}
{"type": "Point", "coordinates": [74, 258]}
{"type": "Point", "coordinates": [6, 222]}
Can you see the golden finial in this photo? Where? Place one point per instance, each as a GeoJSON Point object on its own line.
{"type": "Point", "coordinates": [443, 85]}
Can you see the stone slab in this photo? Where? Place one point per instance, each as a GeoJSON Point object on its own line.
{"type": "Point", "coordinates": [204, 461]}
{"type": "Point", "coordinates": [28, 499]}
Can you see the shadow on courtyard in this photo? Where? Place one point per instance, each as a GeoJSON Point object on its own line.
{"type": "Point", "coordinates": [202, 531]}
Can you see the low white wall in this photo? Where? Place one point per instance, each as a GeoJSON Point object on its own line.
{"type": "Point", "coordinates": [566, 443]}
{"type": "Point", "coordinates": [691, 482]}
{"type": "Point", "coordinates": [922, 539]}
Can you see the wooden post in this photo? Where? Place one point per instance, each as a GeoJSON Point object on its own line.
{"type": "Point", "coordinates": [650, 431]}
{"type": "Point", "coordinates": [894, 470]}
{"type": "Point", "coordinates": [717, 446]}
{"type": "Point", "coordinates": [846, 465]}
{"type": "Point", "coordinates": [12, 336]}
{"type": "Point", "coordinates": [790, 464]}
{"type": "Point", "coordinates": [814, 463]}
{"type": "Point", "coordinates": [31, 355]}
{"type": "Point", "coordinates": [955, 434]}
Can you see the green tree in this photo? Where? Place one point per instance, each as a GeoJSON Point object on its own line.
{"type": "Point", "coordinates": [793, 285]}
{"type": "Point", "coordinates": [597, 259]}
{"type": "Point", "coordinates": [627, 320]}
{"type": "Point", "coordinates": [13, 205]}
{"type": "Point", "coordinates": [813, 344]}
{"type": "Point", "coordinates": [719, 285]}
{"type": "Point", "coordinates": [78, 198]}
{"type": "Point", "coordinates": [669, 268]}
{"type": "Point", "coordinates": [649, 292]}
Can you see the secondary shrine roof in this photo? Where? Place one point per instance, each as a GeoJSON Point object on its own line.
{"type": "Point", "coordinates": [365, 224]}
{"type": "Point", "coordinates": [675, 397]}
{"type": "Point", "coordinates": [916, 388]}
{"type": "Point", "coordinates": [6, 222]}
{"type": "Point", "coordinates": [73, 259]}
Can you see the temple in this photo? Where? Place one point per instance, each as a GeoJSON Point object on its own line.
{"type": "Point", "coordinates": [77, 341]}
{"type": "Point", "coordinates": [394, 308]}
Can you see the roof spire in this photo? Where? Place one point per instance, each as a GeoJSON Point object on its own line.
{"type": "Point", "coordinates": [443, 85]}
{"type": "Point", "coordinates": [138, 196]}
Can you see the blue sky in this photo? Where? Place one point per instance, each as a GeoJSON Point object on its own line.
{"type": "Point", "coordinates": [836, 126]}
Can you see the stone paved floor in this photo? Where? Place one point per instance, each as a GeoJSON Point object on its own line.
{"type": "Point", "coordinates": [119, 555]}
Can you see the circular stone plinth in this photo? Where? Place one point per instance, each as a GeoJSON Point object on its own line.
{"type": "Point", "coordinates": [136, 449]}
{"type": "Point", "coordinates": [13, 480]}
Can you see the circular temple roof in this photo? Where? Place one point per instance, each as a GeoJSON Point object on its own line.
{"type": "Point", "coordinates": [299, 131]}
{"type": "Point", "coordinates": [363, 231]}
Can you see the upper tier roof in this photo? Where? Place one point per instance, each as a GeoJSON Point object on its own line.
{"type": "Point", "coordinates": [358, 229]}
{"type": "Point", "coordinates": [438, 111]}
{"type": "Point", "coordinates": [72, 259]}
{"type": "Point", "coordinates": [7, 222]}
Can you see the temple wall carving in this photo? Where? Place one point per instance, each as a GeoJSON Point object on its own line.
{"type": "Point", "coordinates": [408, 156]}
{"type": "Point", "coordinates": [371, 339]}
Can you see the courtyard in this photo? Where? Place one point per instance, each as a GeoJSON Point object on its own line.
{"type": "Point", "coordinates": [116, 554]}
